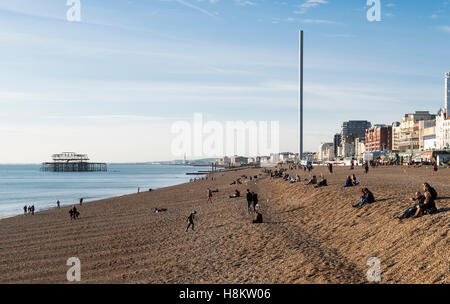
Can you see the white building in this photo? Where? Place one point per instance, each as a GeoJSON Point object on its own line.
{"type": "Point", "coordinates": [427, 134]}
{"type": "Point", "coordinates": [326, 151]}
{"type": "Point", "coordinates": [396, 136]}
{"type": "Point", "coordinates": [443, 130]}
{"type": "Point", "coordinates": [447, 94]}
{"type": "Point", "coordinates": [239, 161]}
{"type": "Point", "coordinates": [360, 148]}
{"type": "Point", "coordinates": [225, 161]}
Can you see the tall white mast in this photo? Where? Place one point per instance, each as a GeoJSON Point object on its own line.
{"type": "Point", "coordinates": [300, 95]}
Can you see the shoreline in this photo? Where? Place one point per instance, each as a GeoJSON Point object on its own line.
{"type": "Point", "coordinates": [87, 200]}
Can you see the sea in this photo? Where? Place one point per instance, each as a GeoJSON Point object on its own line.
{"type": "Point", "coordinates": [22, 185]}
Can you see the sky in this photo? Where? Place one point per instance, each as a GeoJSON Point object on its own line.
{"type": "Point", "coordinates": [114, 84]}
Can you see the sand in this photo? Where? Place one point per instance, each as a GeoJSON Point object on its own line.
{"type": "Point", "coordinates": [309, 235]}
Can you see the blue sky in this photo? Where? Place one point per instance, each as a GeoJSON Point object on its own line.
{"type": "Point", "coordinates": [113, 84]}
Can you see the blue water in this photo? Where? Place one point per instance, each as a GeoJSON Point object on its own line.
{"type": "Point", "coordinates": [22, 185]}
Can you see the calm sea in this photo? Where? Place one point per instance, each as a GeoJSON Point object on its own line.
{"type": "Point", "coordinates": [22, 185]}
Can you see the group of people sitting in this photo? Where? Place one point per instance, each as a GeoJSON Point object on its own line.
{"type": "Point", "coordinates": [292, 179]}
{"type": "Point", "coordinates": [424, 203]}
{"type": "Point", "coordinates": [316, 183]}
{"type": "Point", "coordinates": [351, 181]}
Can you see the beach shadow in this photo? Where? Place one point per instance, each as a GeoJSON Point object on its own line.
{"type": "Point", "coordinates": [443, 198]}
{"type": "Point", "coordinates": [276, 223]}
{"type": "Point", "coordinates": [292, 210]}
{"type": "Point", "coordinates": [383, 200]}
{"type": "Point", "coordinates": [443, 210]}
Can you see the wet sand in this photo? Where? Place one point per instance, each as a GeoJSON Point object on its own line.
{"type": "Point", "coordinates": [309, 235]}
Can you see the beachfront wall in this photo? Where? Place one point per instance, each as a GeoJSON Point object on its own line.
{"type": "Point", "coordinates": [74, 167]}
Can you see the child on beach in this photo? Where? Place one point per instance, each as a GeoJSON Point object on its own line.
{"type": "Point", "coordinates": [411, 211]}
{"type": "Point", "coordinates": [209, 196]}
{"type": "Point", "coordinates": [190, 221]}
{"type": "Point", "coordinates": [258, 219]}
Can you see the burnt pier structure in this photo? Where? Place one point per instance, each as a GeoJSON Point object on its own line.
{"type": "Point", "coordinates": [72, 162]}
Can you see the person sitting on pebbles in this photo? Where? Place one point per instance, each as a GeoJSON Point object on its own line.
{"type": "Point", "coordinates": [366, 198]}
{"type": "Point", "coordinates": [157, 210]}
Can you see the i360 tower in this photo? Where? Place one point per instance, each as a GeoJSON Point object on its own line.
{"type": "Point", "coordinates": [300, 96]}
{"type": "Point", "coordinates": [447, 93]}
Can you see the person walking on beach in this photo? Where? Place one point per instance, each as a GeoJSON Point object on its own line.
{"type": "Point", "coordinates": [58, 204]}
{"type": "Point", "coordinates": [435, 167]}
{"type": "Point", "coordinates": [81, 201]}
{"type": "Point", "coordinates": [25, 210]}
{"type": "Point", "coordinates": [76, 214]}
{"type": "Point", "coordinates": [249, 201]}
{"type": "Point", "coordinates": [366, 167]}
{"type": "Point", "coordinates": [255, 200]}
{"type": "Point", "coordinates": [209, 196]}
{"type": "Point", "coordinates": [71, 213]}
{"type": "Point", "coordinates": [32, 209]}
{"type": "Point", "coordinates": [190, 221]}
{"type": "Point", "coordinates": [330, 168]}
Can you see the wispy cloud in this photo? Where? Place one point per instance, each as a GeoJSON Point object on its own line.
{"type": "Point", "coordinates": [444, 28]}
{"type": "Point", "coordinates": [309, 4]}
{"type": "Point", "coordinates": [197, 8]}
{"type": "Point", "coordinates": [245, 2]}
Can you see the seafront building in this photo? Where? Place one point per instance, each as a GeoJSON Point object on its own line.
{"type": "Point", "coordinates": [348, 146]}
{"type": "Point", "coordinates": [409, 130]}
{"type": "Point", "coordinates": [379, 138]}
{"type": "Point", "coordinates": [224, 161]}
{"type": "Point", "coordinates": [427, 134]}
{"type": "Point", "coordinates": [326, 152]}
{"type": "Point", "coordinates": [357, 128]}
{"type": "Point", "coordinates": [396, 136]}
{"type": "Point", "coordinates": [420, 136]}
{"type": "Point", "coordinates": [336, 144]}
{"type": "Point", "coordinates": [237, 161]}
{"type": "Point", "coordinates": [360, 148]}
{"type": "Point", "coordinates": [443, 130]}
